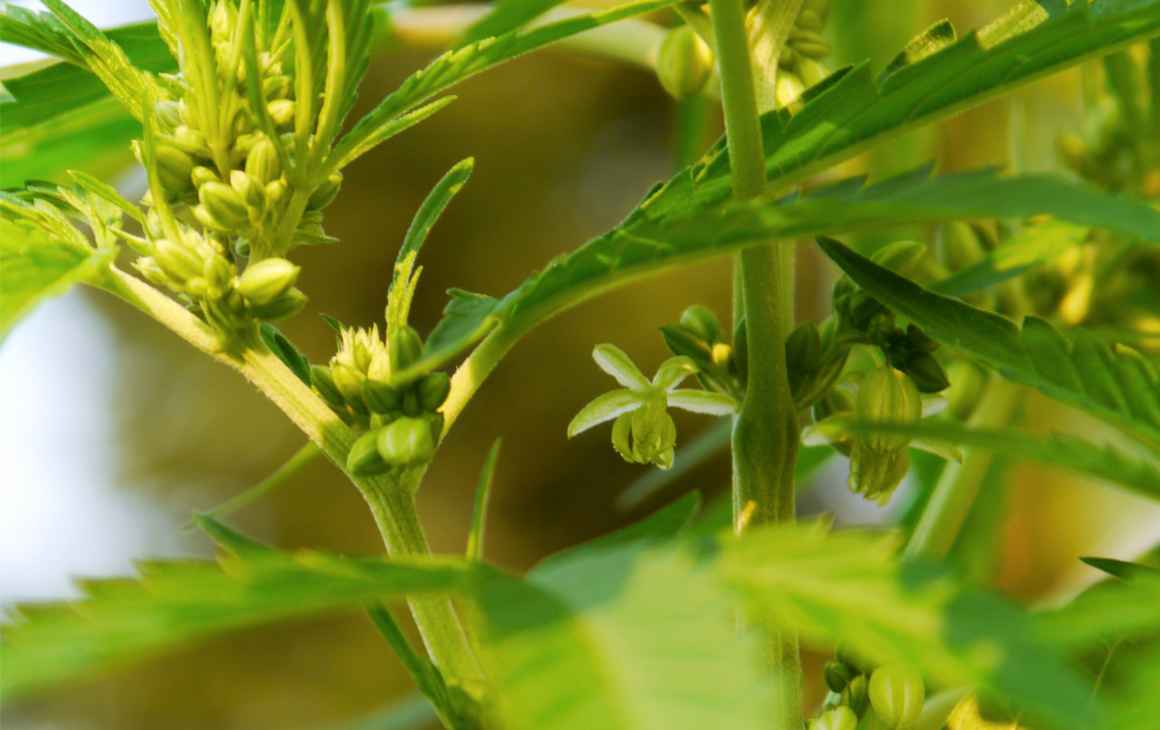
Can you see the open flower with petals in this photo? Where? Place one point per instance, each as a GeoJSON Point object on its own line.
{"type": "Point", "coordinates": [644, 432]}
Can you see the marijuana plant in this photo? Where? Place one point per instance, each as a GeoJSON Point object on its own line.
{"type": "Point", "coordinates": [239, 114]}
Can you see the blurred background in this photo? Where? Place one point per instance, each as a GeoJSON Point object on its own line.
{"type": "Point", "coordinates": [113, 430]}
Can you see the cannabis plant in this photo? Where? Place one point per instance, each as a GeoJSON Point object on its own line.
{"type": "Point", "coordinates": [240, 114]}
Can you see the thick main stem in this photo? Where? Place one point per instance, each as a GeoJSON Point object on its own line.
{"type": "Point", "coordinates": [765, 432]}
{"type": "Point", "coordinates": [391, 502]}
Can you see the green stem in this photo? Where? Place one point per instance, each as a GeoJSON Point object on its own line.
{"type": "Point", "coordinates": [390, 498]}
{"type": "Point", "coordinates": [957, 488]}
{"type": "Point", "coordinates": [765, 432]}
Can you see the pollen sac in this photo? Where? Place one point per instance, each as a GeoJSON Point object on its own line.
{"type": "Point", "coordinates": [646, 435]}
{"type": "Point", "coordinates": [878, 462]}
{"type": "Point", "coordinates": [897, 694]}
{"type": "Point", "coordinates": [406, 442]}
{"type": "Point", "coordinates": [838, 718]}
{"type": "Point", "coordinates": [684, 63]}
{"type": "Point", "coordinates": [364, 458]}
{"type": "Point", "coordinates": [265, 281]}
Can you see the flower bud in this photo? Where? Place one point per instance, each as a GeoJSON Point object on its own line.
{"type": "Point", "coordinates": [684, 63]}
{"type": "Point", "coordinates": [897, 694]}
{"type": "Point", "coordinates": [264, 281]}
{"type": "Point", "coordinates": [788, 88]}
{"type": "Point", "coordinates": [201, 175]}
{"type": "Point", "coordinates": [323, 382]}
{"type": "Point", "coordinates": [262, 163]}
{"type": "Point", "coordinates": [190, 140]}
{"type": "Point", "coordinates": [288, 304]}
{"type": "Point", "coordinates": [380, 397]}
{"type": "Point", "coordinates": [250, 191]}
{"type": "Point", "coordinates": [204, 217]}
{"type": "Point", "coordinates": [811, 71]}
{"type": "Point", "coordinates": [177, 259]}
{"type": "Point", "coordinates": [168, 114]}
{"type": "Point", "coordinates": [838, 718]}
{"type": "Point", "coordinates": [348, 381]}
{"type": "Point", "coordinates": [702, 322]}
{"type": "Point", "coordinates": [406, 441]}
{"type": "Point", "coordinates": [364, 458]}
{"type": "Point", "coordinates": [858, 695]}
{"type": "Point", "coordinates": [276, 86]}
{"type": "Point", "coordinates": [281, 111]}
{"type": "Point", "coordinates": [275, 191]}
{"type": "Point", "coordinates": [433, 390]}
{"type": "Point", "coordinates": [886, 394]}
{"type": "Point", "coordinates": [1073, 150]}
{"type": "Point", "coordinates": [217, 271]}
{"type": "Point", "coordinates": [223, 204]}
{"type": "Point", "coordinates": [646, 436]}
{"type": "Point", "coordinates": [405, 348]}
{"type": "Point", "coordinates": [966, 385]}
{"type": "Point", "coordinates": [837, 676]}
{"type": "Point", "coordinates": [173, 167]}
{"type": "Point", "coordinates": [325, 193]}
{"type": "Point", "coordinates": [153, 273]}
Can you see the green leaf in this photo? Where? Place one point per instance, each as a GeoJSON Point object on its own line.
{"type": "Point", "coordinates": [1120, 568]}
{"type": "Point", "coordinates": [433, 206]}
{"type": "Point", "coordinates": [303, 456]}
{"type": "Point", "coordinates": [1033, 245]}
{"type": "Point", "coordinates": [482, 497]}
{"type": "Point", "coordinates": [1076, 367]}
{"type": "Point", "coordinates": [851, 110]}
{"type": "Point", "coordinates": [36, 263]}
{"type": "Point", "coordinates": [507, 15]}
{"type": "Point", "coordinates": [1060, 450]}
{"type": "Point", "coordinates": [412, 713]}
{"type": "Point", "coordinates": [1109, 611]}
{"type": "Point", "coordinates": [632, 638]}
{"type": "Point", "coordinates": [461, 63]}
{"type": "Point", "coordinates": [650, 240]}
{"type": "Point", "coordinates": [387, 129]}
{"type": "Point", "coordinates": [179, 601]}
{"type": "Point", "coordinates": [850, 587]}
{"type": "Point", "coordinates": [285, 351]}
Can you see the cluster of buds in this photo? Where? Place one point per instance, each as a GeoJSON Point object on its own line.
{"type": "Point", "coordinates": [197, 268]}
{"type": "Point", "coordinates": [887, 697]}
{"type": "Point", "coordinates": [698, 336]}
{"type": "Point", "coordinates": [643, 432]}
{"type": "Point", "coordinates": [800, 63]}
{"type": "Point", "coordinates": [223, 150]}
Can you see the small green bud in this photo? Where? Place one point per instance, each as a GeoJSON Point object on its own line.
{"type": "Point", "coordinates": [204, 217]}
{"type": "Point", "coordinates": [177, 259]}
{"type": "Point", "coordinates": [364, 458]}
{"type": "Point", "coordinates": [702, 322]}
{"type": "Point", "coordinates": [803, 354]}
{"type": "Point", "coordinates": [858, 695]}
{"type": "Point", "coordinates": [788, 88]}
{"type": "Point", "coordinates": [325, 193]}
{"type": "Point", "coordinates": [406, 441]}
{"type": "Point", "coordinates": [811, 71]}
{"type": "Point", "coordinates": [380, 397]}
{"type": "Point", "coordinates": [348, 380]}
{"type": "Point", "coordinates": [223, 204]}
{"type": "Point", "coordinates": [250, 191]}
{"type": "Point", "coordinates": [433, 390]}
{"type": "Point", "coordinates": [264, 281]}
{"type": "Point", "coordinates": [276, 87]}
{"type": "Point", "coordinates": [838, 718]}
{"type": "Point", "coordinates": [168, 114]}
{"type": "Point", "coordinates": [323, 382]}
{"type": "Point", "coordinates": [966, 384]}
{"type": "Point", "coordinates": [854, 663]}
{"type": "Point", "coordinates": [173, 167]}
{"type": "Point", "coordinates": [837, 675]}
{"type": "Point", "coordinates": [405, 348]}
{"type": "Point", "coordinates": [190, 140]}
{"type": "Point", "coordinates": [684, 63]}
{"type": "Point", "coordinates": [217, 271]}
{"type": "Point", "coordinates": [897, 694]}
{"type": "Point", "coordinates": [281, 111]}
{"type": "Point", "coordinates": [262, 163]}
{"type": "Point", "coordinates": [926, 372]}
{"type": "Point", "coordinates": [1073, 150]}
{"type": "Point", "coordinates": [886, 394]}
{"type": "Point", "coordinates": [153, 273]}
{"type": "Point", "coordinates": [684, 342]}
{"type": "Point", "coordinates": [288, 304]}
{"type": "Point", "coordinates": [275, 191]}
{"type": "Point", "coordinates": [646, 436]}
{"type": "Point", "coordinates": [202, 175]}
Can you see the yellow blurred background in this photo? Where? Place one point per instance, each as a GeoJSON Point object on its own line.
{"type": "Point", "coordinates": [118, 431]}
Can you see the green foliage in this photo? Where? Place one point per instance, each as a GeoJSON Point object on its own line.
{"type": "Point", "coordinates": [1030, 247]}
{"type": "Point", "coordinates": [507, 15]}
{"type": "Point", "coordinates": [1076, 367]}
{"type": "Point", "coordinates": [660, 234]}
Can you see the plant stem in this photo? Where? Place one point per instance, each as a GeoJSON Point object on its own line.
{"type": "Point", "coordinates": [765, 432]}
{"type": "Point", "coordinates": [390, 498]}
{"type": "Point", "coordinates": [957, 488]}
